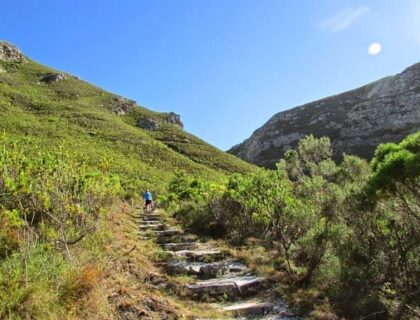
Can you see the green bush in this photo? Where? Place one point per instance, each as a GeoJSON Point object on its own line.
{"type": "Point", "coordinates": [50, 201]}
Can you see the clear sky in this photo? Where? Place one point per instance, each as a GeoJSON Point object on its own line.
{"type": "Point", "coordinates": [225, 65]}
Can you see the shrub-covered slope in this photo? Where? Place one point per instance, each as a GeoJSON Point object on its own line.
{"type": "Point", "coordinates": [70, 154]}
{"type": "Point", "coordinates": [64, 110]}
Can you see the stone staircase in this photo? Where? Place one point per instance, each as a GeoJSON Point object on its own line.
{"type": "Point", "coordinates": [215, 277]}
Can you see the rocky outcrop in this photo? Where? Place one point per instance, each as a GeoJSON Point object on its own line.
{"type": "Point", "coordinates": [10, 53]}
{"type": "Point", "coordinates": [174, 118]}
{"type": "Point", "coordinates": [148, 124]}
{"type": "Point", "coordinates": [356, 121]}
{"type": "Point", "coordinates": [123, 105]}
{"type": "Point", "coordinates": [153, 124]}
{"type": "Point", "coordinates": [53, 77]}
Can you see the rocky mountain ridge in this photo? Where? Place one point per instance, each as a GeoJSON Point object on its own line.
{"type": "Point", "coordinates": [356, 121]}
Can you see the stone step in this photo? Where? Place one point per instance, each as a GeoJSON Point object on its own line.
{"type": "Point", "coordinates": [206, 270]}
{"type": "Point", "coordinates": [151, 215]}
{"type": "Point", "coordinates": [176, 246]}
{"type": "Point", "coordinates": [229, 287]}
{"type": "Point", "coordinates": [249, 308]}
{"type": "Point", "coordinates": [209, 254]}
{"type": "Point", "coordinates": [152, 219]}
{"type": "Point", "coordinates": [176, 238]}
{"type": "Point", "coordinates": [167, 232]}
{"type": "Point", "coordinates": [156, 226]}
{"type": "Point", "coordinates": [144, 222]}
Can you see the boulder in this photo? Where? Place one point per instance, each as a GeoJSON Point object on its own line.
{"type": "Point", "coordinates": [53, 77]}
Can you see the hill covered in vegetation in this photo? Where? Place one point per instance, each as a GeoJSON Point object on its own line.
{"type": "Point", "coordinates": [69, 153]}
{"type": "Point", "coordinates": [58, 109]}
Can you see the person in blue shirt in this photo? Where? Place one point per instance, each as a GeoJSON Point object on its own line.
{"type": "Point", "coordinates": [148, 200]}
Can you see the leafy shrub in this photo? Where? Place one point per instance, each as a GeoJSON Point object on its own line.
{"type": "Point", "coordinates": [50, 202]}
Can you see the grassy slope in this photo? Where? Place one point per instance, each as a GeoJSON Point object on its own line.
{"type": "Point", "coordinates": [79, 116]}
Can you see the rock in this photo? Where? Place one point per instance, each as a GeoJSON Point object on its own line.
{"type": "Point", "coordinates": [151, 216]}
{"type": "Point", "coordinates": [178, 237]}
{"type": "Point", "coordinates": [153, 124]}
{"type": "Point", "coordinates": [180, 246]}
{"type": "Point", "coordinates": [148, 124]}
{"type": "Point", "coordinates": [249, 308]}
{"type": "Point", "coordinates": [205, 270]}
{"type": "Point", "coordinates": [212, 270]}
{"type": "Point", "coordinates": [356, 121]}
{"type": "Point", "coordinates": [10, 53]}
{"type": "Point", "coordinates": [174, 118]}
{"type": "Point", "coordinates": [151, 220]}
{"type": "Point", "coordinates": [217, 269]}
{"type": "Point", "coordinates": [230, 287]}
{"type": "Point", "coordinates": [53, 77]}
{"type": "Point", "coordinates": [150, 226]}
{"type": "Point", "coordinates": [198, 255]}
{"type": "Point", "coordinates": [184, 267]}
{"type": "Point", "coordinates": [148, 222]}
{"type": "Point", "coordinates": [168, 232]}
{"type": "Point", "coordinates": [123, 105]}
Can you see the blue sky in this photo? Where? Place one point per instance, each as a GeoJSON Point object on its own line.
{"type": "Point", "coordinates": [225, 65]}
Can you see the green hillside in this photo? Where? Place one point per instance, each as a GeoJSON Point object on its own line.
{"type": "Point", "coordinates": [73, 163]}
{"type": "Point", "coordinates": [83, 118]}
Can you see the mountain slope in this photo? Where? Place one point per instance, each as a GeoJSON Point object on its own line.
{"type": "Point", "coordinates": [356, 121]}
{"type": "Point", "coordinates": [74, 160]}
{"type": "Point", "coordinates": [54, 108]}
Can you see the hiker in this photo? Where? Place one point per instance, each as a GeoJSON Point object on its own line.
{"type": "Point", "coordinates": [148, 200]}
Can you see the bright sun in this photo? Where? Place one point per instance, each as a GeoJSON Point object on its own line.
{"type": "Point", "coordinates": [375, 48]}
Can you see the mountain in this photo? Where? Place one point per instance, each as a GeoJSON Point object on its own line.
{"type": "Point", "coordinates": [54, 108]}
{"type": "Point", "coordinates": [356, 121]}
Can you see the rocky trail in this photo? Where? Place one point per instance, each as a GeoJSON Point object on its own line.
{"type": "Point", "coordinates": [213, 276]}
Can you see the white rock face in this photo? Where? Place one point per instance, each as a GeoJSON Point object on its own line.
{"type": "Point", "coordinates": [356, 121]}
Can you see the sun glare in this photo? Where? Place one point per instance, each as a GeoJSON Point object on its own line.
{"type": "Point", "coordinates": [375, 48]}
